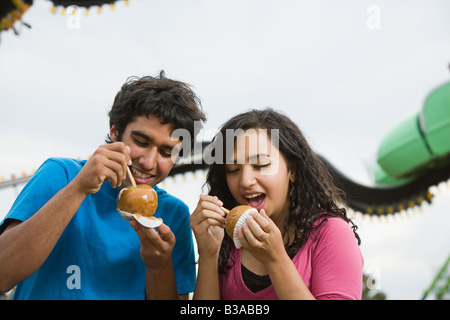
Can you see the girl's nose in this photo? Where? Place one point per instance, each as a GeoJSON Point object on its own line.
{"type": "Point", "coordinates": [247, 178]}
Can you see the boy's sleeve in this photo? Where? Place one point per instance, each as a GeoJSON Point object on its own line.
{"type": "Point", "coordinates": [45, 183]}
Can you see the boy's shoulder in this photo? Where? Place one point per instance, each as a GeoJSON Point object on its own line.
{"type": "Point", "coordinates": [169, 199]}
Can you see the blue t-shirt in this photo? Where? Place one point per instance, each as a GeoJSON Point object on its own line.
{"type": "Point", "coordinates": [98, 254]}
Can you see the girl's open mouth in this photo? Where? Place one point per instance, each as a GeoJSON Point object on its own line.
{"type": "Point", "coordinates": [255, 200]}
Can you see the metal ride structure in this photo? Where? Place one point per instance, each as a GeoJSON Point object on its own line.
{"type": "Point", "coordinates": [11, 11]}
{"type": "Point", "coordinates": [440, 286]}
{"type": "Point", "coordinates": [86, 4]}
{"type": "Point", "coordinates": [412, 158]}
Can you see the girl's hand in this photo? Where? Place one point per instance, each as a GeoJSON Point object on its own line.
{"type": "Point", "coordinates": [208, 223]}
{"type": "Point", "coordinates": [262, 238]}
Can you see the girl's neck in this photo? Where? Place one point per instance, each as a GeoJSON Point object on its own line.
{"type": "Point", "coordinates": [280, 216]}
{"type": "Point", "coordinates": [278, 219]}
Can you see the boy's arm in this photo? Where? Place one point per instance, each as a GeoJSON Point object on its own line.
{"type": "Point", "coordinates": [24, 246]}
{"type": "Point", "coordinates": [156, 253]}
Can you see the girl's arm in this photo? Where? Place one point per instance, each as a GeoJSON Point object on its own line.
{"type": "Point", "coordinates": [207, 285]}
{"type": "Point", "coordinates": [286, 280]}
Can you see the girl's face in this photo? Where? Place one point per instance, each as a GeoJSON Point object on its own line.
{"type": "Point", "coordinates": [257, 174]}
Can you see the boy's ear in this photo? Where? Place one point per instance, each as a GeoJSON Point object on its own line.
{"type": "Point", "coordinates": [113, 133]}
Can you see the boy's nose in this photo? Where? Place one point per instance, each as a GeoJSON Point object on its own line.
{"type": "Point", "coordinates": [148, 159]}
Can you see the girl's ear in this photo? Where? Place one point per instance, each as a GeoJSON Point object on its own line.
{"type": "Point", "coordinates": [113, 133]}
{"type": "Point", "coordinates": [292, 171]}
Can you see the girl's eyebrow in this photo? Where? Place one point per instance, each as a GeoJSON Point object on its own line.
{"type": "Point", "coordinates": [258, 156]}
{"type": "Point", "coordinates": [253, 159]}
{"type": "Point", "coordinates": [150, 139]}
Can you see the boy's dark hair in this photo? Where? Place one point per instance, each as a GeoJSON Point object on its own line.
{"type": "Point", "coordinates": [169, 100]}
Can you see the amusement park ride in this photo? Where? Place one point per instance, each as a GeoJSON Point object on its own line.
{"type": "Point", "coordinates": [413, 157]}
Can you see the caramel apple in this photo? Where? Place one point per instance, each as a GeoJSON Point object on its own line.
{"type": "Point", "coordinates": [140, 201]}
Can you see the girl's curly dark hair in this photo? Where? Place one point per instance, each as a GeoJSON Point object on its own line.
{"type": "Point", "coordinates": [313, 194]}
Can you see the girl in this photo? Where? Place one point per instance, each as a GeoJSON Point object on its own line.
{"type": "Point", "coordinates": [300, 245]}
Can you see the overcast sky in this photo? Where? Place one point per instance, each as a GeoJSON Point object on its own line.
{"type": "Point", "coordinates": [345, 71]}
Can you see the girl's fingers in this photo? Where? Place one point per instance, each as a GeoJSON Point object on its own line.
{"type": "Point", "coordinates": [250, 236]}
{"type": "Point", "coordinates": [263, 220]}
{"type": "Point", "coordinates": [254, 228]}
{"type": "Point", "coordinates": [243, 238]}
{"type": "Point", "coordinates": [207, 213]}
{"type": "Point", "coordinates": [213, 208]}
{"type": "Point", "coordinates": [212, 199]}
{"type": "Point", "coordinates": [210, 203]}
{"type": "Point", "coordinates": [212, 222]}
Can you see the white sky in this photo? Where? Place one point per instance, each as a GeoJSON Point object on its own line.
{"type": "Point", "coordinates": [344, 84]}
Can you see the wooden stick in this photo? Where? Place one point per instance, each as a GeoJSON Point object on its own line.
{"type": "Point", "coordinates": [131, 177]}
{"type": "Point", "coordinates": [225, 210]}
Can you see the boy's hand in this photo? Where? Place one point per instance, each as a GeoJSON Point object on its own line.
{"type": "Point", "coordinates": [108, 162]}
{"type": "Point", "coordinates": [156, 246]}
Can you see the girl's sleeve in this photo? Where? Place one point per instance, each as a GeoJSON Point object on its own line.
{"type": "Point", "coordinates": [337, 263]}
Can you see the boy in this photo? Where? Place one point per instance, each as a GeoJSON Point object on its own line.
{"type": "Point", "coordinates": [64, 239]}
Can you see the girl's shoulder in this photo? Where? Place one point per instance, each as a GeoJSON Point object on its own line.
{"type": "Point", "coordinates": [332, 229]}
{"type": "Point", "coordinates": [327, 221]}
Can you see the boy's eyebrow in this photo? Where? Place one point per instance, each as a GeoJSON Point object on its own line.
{"type": "Point", "coordinates": [150, 139]}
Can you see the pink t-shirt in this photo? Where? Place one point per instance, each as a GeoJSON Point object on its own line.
{"type": "Point", "coordinates": [330, 263]}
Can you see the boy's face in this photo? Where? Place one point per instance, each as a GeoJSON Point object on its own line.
{"type": "Point", "coordinates": [151, 147]}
